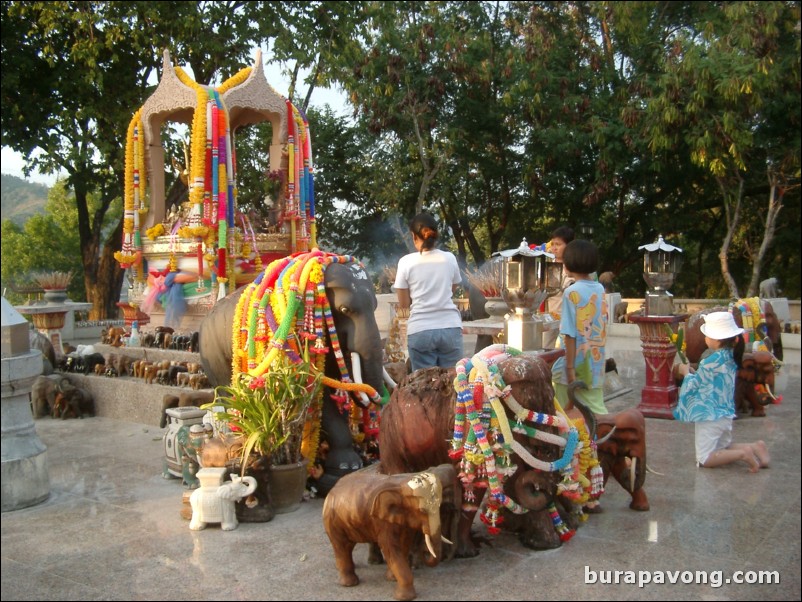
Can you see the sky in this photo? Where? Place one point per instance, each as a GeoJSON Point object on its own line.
{"type": "Point", "coordinates": [12, 162]}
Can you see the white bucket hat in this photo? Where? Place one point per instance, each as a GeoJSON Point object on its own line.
{"type": "Point", "coordinates": [720, 325]}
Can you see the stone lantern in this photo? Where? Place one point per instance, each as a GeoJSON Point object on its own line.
{"type": "Point", "coordinates": [527, 280]}
{"type": "Point", "coordinates": [661, 263]}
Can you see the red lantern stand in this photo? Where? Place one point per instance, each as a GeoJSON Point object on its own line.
{"type": "Point", "coordinates": [659, 395]}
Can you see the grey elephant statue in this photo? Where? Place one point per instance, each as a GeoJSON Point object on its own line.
{"type": "Point", "coordinates": [215, 501]}
{"type": "Point", "coordinates": [422, 418]}
{"type": "Point", "coordinates": [351, 301]}
{"type": "Point", "coordinates": [389, 510]}
{"type": "Point", "coordinates": [43, 344]}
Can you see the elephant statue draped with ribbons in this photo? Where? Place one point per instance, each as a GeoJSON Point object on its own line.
{"type": "Point", "coordinates": [506, 435]}
{"type": "Point", "coordinates": [322, 301]}
{"type": "Point", "coordinates": [763, 353]}
{"type": "Point", "coordinates": [389, 510]}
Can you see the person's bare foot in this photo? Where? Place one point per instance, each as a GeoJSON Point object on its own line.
{"type": "Point", "coordinates": [761, 451]}
{"type": "Point", "coordinates": [751, 459]}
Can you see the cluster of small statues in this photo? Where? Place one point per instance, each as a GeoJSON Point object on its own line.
{"type": "Point", "coordinates": [163, 337]}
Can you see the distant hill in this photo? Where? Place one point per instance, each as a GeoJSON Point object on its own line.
{"type": "Point", "coordinates": [20, 199]}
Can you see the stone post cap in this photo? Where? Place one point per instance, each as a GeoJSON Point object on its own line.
{"type": "Point", "coordinates": [15, 338]}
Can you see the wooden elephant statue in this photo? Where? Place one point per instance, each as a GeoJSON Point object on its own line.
{"type": "Point", "coordinates": [755, 383]}
{"type": "Point", "coordinates": [215, 501]}
{"type": "Point", "coordinates": [43, 393]}
{"type": "Point", "coordinates": [761, 328]}
{"type": "Point", "coordinates": [623, 453]}
{"type": "Point", "coordinates": [149, 373]}
{"type": "Point", "coordinates": [182, 400]}
{"type": "Point", "coordinates": [114, 336]}
{"type": "Point", "coordinates": [418, 425]}
{"type": "Point", "coordinates": [389, 510]}
{"type": "Point", "coordinates": [73, 401]}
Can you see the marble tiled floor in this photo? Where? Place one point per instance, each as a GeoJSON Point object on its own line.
{"type": "Point", "coordinates": [111, 530]}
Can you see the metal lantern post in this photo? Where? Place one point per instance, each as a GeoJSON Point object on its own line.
{"type": "Point", "coordinates": [527, 280]}
{"type": "Point", "coordinates": [661, 263]}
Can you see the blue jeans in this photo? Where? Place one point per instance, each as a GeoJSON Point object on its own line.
{"type": "Point", "coordinates": [440, 347]}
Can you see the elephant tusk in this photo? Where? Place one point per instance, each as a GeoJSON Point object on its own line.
{"type": "Point", "coordinates": [769, 392]}
{"type": "Point", "coordinates": [429, 545]}
{"type": "Point", "coordinates": [445, 540]}
{"type": "Point", "coordinates": [653, 471]}
{"type": "Point", "coordinates": [632, 470]}
{"type": "Point", "coordinates": [356, 368]}
{"type": "Point", "coordinates": [606, 437]}
{"type": "Point", "coordinates": [388, 380]}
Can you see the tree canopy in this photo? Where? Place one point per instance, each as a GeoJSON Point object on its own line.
{"type": "Point", "coordinates": [504, 119]}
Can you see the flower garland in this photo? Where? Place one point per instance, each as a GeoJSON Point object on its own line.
{"type": "Point", "coordinates": [483, 435]}
{"type": "Point", "coordinates": [135, 182]}
{"type": "Point", "coordinates": [282, 307]}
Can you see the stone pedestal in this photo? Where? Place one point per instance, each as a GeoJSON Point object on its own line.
{"type": "Point", "coordinates": [659, 395]}
{"type": "Point", "coordinates": [49, 319]}
{"type": "Point", "coordinates": [25, 479]}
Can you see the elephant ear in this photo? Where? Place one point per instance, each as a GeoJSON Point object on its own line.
{"type": "Point", "coordinates": [388, 506]}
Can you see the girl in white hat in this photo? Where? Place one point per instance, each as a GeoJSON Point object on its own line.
{"type": "Point", "coordinates": [707, 397]}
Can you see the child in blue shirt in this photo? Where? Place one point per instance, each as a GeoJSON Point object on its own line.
{"type": "Point", "coordinates": [707, 397]}
{"type": "Point", "coordinates": [583, 330]}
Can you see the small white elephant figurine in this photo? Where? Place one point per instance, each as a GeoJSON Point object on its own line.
{"type": "Point", "coordinates": [215, 503]}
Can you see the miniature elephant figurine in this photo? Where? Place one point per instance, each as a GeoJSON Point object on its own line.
{"type": "Point", "coordinates": [215, 503]}
{"type": "Point", "coordinates": [369, 507]}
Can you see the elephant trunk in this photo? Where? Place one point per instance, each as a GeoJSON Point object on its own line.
{"type": "Point", "coordinates": [533, 490]}
{"type": "Point", "coordinates": [590, 418]}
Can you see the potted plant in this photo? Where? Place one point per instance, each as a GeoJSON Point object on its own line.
{"type": "Point", "coordinates": [269, 413]}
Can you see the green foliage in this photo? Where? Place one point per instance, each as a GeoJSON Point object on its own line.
{"type": "Point", "coordinates": [47, 242]}
{"type": "Point", "coordinates": [270, 411]}
{"type": "Point", "coordinates": [505, 119]}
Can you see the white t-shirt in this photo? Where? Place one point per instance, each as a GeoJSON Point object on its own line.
{"type": "Point", "coordinates": [429, 276]}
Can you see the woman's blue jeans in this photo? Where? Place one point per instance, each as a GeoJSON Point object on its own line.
{"type": "Point", "coordinates": [440, 347]}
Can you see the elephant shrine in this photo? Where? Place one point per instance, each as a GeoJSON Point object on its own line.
{"type": "Point", "coordinates": [182, 251]}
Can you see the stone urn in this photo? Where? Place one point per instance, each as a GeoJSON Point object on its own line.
{"type": "Point", "coordinates": [496, 307]}
{"type": "Point", "coordinates": [55, 295]}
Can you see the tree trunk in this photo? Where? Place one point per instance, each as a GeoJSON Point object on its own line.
{"type": "Point", "coordinates": [775, 205]}
{"type": "Point", "coordinates": [733, 217]}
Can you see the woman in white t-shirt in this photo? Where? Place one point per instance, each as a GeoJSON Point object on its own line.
{"type": "Point", "coordinates": [425, 282]}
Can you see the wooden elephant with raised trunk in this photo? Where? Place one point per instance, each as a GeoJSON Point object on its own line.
{"type": "Point", "coordinates": [389, 510]}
